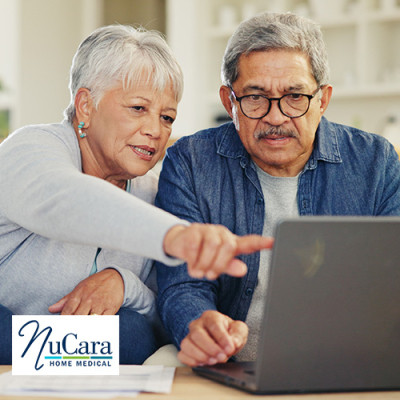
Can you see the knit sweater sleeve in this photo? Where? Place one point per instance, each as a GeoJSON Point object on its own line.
{"type": "Point", "coordinates": [44, 191]}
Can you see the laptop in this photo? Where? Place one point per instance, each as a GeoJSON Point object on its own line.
{"type": "Point", "coordinates": [332, 314]}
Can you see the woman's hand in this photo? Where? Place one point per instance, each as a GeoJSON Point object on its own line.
{"type": "Point", "coordinates": [101, 293]}
{"type": "Point", "coordinates": [211, 250]}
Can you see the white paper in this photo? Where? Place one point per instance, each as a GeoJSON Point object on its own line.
{"type": "Point", "coordinates": [131, 380]}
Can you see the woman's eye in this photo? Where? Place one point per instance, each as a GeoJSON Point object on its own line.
{"type": "Point", "coordinates": [137, 108]}
{"type": "Point", "coordinates": [168, 119]}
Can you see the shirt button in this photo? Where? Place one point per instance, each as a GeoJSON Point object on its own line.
{"type": "Point", "coordinates": [259, 200]}
{"type": "Point", "coordinates": [249, 291]}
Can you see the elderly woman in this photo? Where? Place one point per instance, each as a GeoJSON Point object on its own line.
{"type": "Point", "coordinates": [77, 228]}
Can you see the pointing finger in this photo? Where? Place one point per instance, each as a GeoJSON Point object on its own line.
{"type": "Point", "coordinates": [251, 243]}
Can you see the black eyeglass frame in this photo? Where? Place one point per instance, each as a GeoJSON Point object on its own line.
{"type": "Point", "coordinates": [278, 99]}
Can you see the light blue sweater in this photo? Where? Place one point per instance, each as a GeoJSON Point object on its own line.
{"type": "Point", "coordinates": [53, 218]}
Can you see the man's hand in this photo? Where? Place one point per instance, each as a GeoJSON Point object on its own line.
{"type": "Point", "coordinates": [210, 250]}
{"type": "Point", "coordinates": [101, 293]}
{"type": "Point", "coordinates": [213, 338]}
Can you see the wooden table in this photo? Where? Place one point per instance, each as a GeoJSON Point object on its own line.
{"type": "Point", "coordinates": [189, 386]}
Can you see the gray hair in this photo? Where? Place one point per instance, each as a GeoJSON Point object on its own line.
{"type": "Point", "coordinates": [276, 31]}
{"type": "Point", "coordinates": [122, 54]}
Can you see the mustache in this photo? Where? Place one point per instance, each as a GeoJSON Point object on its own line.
{"type": "Point", "coordinates": [274, 131]}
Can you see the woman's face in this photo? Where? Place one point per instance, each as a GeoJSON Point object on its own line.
{"type": "Point", "coordinates": [127, 133]}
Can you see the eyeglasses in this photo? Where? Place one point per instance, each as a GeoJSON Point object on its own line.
{"type": "Point", "coordinates": [292, 105]}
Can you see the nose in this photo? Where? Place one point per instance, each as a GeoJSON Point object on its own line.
{"type": "Point", "coordinates": [275, 116]}
{"type": "Point", "coordinates": [151, 126]}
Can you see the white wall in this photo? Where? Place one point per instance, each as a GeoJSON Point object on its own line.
{"type": "Point", "coordinates": [9, 53]}
{"type": "Point", "coordinates": [8, 41]}
{"type": "Point", "coordinates": [38, 39]}
{"type": "Point", "coordinates": [183, 16]}
{"type": "Point", "coordinates": [50, 31]}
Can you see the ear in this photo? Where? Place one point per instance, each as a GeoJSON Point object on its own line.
{"type": "Point", "coordinates": [325, 97]}
{"type": "Point", "coordinates": [225, 96]}
{"type": "Point", "coordinates": [83, 106]}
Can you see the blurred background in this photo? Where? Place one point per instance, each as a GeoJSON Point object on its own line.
{"type": "Point", "coordinates": [38, 39]}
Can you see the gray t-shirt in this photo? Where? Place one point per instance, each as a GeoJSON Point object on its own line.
{"type": "Point", "coordinates": [280, 196]}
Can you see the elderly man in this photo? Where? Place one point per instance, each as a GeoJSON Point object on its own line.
{"type": "Point", "coordinates": [278, 158]}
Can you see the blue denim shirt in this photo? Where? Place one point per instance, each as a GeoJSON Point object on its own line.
{"type": "Point", "coordinates": [209, 177]}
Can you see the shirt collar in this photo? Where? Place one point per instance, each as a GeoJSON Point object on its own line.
{"type": "Point", "coordinates": [229, 143]}
{"type": "Point", "coordinates": [326, 142]}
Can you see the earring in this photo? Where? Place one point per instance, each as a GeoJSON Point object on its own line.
{"type": "Point", "coordinates": [80, 126]}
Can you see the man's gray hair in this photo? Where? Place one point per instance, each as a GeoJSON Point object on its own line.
{"type": "Point", "coordinates": [117, 54]}
{"type": "Point", "coordinates": [276, 31]}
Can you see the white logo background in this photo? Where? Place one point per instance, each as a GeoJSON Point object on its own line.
{"type": "Point", "coordinates": [65, 345]}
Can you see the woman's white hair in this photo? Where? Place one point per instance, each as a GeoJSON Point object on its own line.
{"type": "Point", "coordinates": [117, 54]}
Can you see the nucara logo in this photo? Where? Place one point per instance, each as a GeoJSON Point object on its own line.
{"type": "Point", "coordinates": [58, 345]}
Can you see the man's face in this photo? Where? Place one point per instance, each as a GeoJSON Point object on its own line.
{"type": "Point", "coordinates": [278, 144]}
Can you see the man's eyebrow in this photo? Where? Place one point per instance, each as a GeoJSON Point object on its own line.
{"type": "Point", "coordinates": [291, 89]}
{"type": "Point", "coordinates": [296, 88]}
{"type": "Point", "coordinates": [251, 88]}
